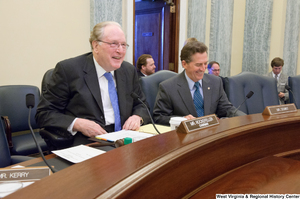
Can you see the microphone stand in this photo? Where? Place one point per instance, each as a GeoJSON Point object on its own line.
{"type": "Point", "coordinates": [35, 140]}
{"type": "Point", "coordinates": [135, 96]}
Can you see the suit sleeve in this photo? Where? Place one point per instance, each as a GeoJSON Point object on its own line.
{"type": "Point", "coordinates": [163, 110]}
{"type": "Point", "coordinates": [53, 101]}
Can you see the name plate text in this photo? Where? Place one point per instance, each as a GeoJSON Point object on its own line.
{"type": "Point", "coordinates": [24, 174]}
{"type": "Point", "coordinates": [188, 126]}
{"type": "Point", "coordinates": [280, 109]}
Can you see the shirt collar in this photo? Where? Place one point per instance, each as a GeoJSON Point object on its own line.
{"type": "Point", "coordinates": [191, 83]}
{"type": "Point", "coordinates": [99, 69]}
{"type": "Point", "coordinates": [277, 75]}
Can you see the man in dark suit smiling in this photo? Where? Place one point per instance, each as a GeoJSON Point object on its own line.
{"type": "Point", "coordinates": [193, 93]}
{"type": "Point", "coordinates": [90, 94]}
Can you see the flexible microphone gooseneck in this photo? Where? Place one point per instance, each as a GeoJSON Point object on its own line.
{"type": "Point", "coordinates": [135, 96]}
{"type": "Point", "coordinates": [287, 87]}
{"type": "Point", "coordinates": [30, 104]}
{"type": "Point", "coordinates": [247, 97]}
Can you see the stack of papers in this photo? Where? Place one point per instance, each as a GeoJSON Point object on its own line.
{"type": "Point", "coordinates": [78, 154]}
{"type": "Point", "coordinates": [135, 135]}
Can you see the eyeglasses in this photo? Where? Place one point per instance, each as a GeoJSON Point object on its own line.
{"type": "Point", "coordinates": [216, 70]}
{"type": "Point", "coordinates": [116, 45]}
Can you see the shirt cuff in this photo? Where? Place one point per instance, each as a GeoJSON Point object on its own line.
{"type": "Point", "coordinates": [70, 128]}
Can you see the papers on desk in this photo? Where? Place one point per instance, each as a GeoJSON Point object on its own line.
{"type": "Point", "coordinates": [148, 128]}
{"type": "Point", "coordinates": [7, 188]}
{"type": "Point", "coordinates": [79, 153]}
{"type": "Point", "coordinates": [135, 135]}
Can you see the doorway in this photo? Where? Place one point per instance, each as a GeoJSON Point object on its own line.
{"type": "Point", "coordinates": [156, 32]}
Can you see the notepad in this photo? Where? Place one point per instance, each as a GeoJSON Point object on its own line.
{"type": "Point", "coordinates": [114, 136]}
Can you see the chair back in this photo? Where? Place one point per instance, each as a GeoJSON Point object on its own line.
{"type": "Point", "coordinates": [5, 159]}
{"type": "Point", "coordinates": [150, 85]}
{"type": "Point", "coordinates": [46, 79]}
{"type": "Point", "coordinates": [264, 88]}
{"type": "Point", "coordinates": [13, 105]}
{"type": "Point", "coordinates": [294, 83]}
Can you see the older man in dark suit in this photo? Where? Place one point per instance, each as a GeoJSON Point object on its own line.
{"type": "Point", "coordinates": [193, 93]}
{"type": "Point", "coordinates": [90, 94]}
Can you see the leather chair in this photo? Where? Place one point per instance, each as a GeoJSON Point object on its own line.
{"type": "Point", "coordinates": [55, 138]}
{"type": "Point", "coordinates": [294, 83]}
{"type": "Point", "coordinates": [5, 158]}
{"type": "Point", "coordinates": [264, 88]}
{"type": "Point", "coordinates": [150, 85]}
{"type": "Point", "coordinates": [14, 114]}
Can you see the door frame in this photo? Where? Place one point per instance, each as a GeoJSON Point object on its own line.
{"type": "Point", "coordinates": [175, 25]}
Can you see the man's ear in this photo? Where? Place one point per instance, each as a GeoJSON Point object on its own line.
{"type": "Point", "coordinates": [184, 64]}
{"type": "Point", "coordinates": [95, 44]}
{"type": "Point", "coordinates": [143, 67]}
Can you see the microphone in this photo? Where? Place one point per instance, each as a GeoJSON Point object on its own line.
{"type": "Point", "coordinates": [30, 104]}
{"type": "Point", "coordinates": [247, 97]}
{"type": "Point", "coordinates": [287, 87]}
{"type": "Point", "coordinates": [135, 96]}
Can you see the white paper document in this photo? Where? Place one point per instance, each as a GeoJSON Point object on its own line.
{"type": "Point", "coordinates": [78, 154]}
{"type": "Point", "coordinates": [135, 135]}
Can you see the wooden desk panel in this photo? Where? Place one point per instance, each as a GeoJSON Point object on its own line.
{"type": "Point", "coordinates": [270, 175]}
{"type": "Point", "coordinates": [172, 165]}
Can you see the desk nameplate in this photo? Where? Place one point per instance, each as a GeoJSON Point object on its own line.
{"type": "Point", "coordinates": [280, 109]}
{"type": "Point", "coordinates": [24, 174]}
{"type": "Point", "coordinates": [192, 125]}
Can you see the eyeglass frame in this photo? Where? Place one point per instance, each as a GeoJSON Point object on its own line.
{"type": "Point", "coordinates": [114, 45]}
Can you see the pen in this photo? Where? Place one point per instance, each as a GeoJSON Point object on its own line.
{"type": "Point", "coordinates": [105, 139]}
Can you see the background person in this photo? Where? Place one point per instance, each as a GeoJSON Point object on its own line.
{"type": "Point", "coordinates": [281, 79]}
{"type": "Point", "coordinates": [213, 68]}
{"type": "Point", "coordinates": [189, 40]}
{"type": "Point", "coordinates": [145, 65]}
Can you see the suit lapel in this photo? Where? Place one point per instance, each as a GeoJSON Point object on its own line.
{"type": "Point", "coordinates": [185, 94]}
{"type": "Point", "coordinates": [206, 93]}
{"type": "Point", "coordinates": [92, 81]}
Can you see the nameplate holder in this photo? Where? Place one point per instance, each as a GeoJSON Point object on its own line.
{"type": "Point", "coordinates": [24, 174]}
{"type": "Point", "coordinates": [279, 109]}
{"type": "Point", "coordinates": [189, 126]}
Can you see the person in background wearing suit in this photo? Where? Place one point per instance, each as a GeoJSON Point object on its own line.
{"type": "Point", "coordinates": [89, 95]}
{"type": "Point", "coordinates": [145, 65]}
{"type": "Point", "coordinates": [213, 68]}
{"type": "Point", "coordinates": [192, 93]}
{"type": "Point", "coordinates": [281, 79]}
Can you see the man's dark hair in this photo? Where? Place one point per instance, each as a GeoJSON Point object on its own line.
{"type": "Point", "coordinates": [142, 60]}
{"type": "Point", "coordinates": [190, 49]}
{"type": "Point", "coordinates": [277, 61]}
{"type": "Point", "coordinates": [212, 63]}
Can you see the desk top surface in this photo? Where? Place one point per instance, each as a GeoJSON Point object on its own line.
{"type": "Point", "coordinates": [94, 177]}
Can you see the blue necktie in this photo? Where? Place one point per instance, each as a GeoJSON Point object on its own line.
{"type": "Point", "coordinates": [198, 101]}
{"type": "Point", "coordinates": [114, 100]}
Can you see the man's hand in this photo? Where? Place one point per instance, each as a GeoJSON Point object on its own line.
{"type": "Point", "coordinates": [88, 128]}
{"type": "Point", "coordinates": [132, 123]}
{"type": "Point", "coordinates": [189, 117]}
{"type": "Point", "coordinates": [281, 94]}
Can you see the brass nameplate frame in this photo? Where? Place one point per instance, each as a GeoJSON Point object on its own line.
{"type": "Point", "coordinates": [188, 126]}
{"type": "Point", "coordinates": [279, 109]}
{"type": "Point", "coordinates": [24, 174]}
